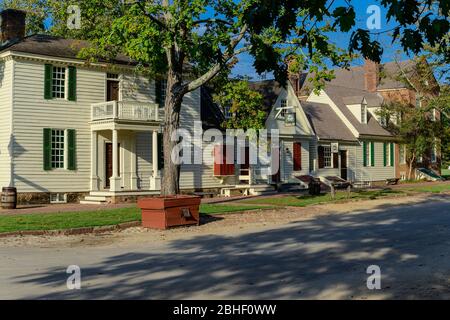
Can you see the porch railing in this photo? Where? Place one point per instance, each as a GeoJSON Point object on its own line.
{"type": "Point", "coordinates": [125, 110]}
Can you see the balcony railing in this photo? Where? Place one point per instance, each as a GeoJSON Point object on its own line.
{"type": "Point", "coordinates": [124, 110]}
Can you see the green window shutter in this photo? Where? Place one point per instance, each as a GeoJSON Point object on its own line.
{"type": "Point", "coordinates": [72, 96]}
{"type": "Point", "coordinates": [158, 96]}
{"type": "Point", "coordinates": [160, 152]}
{"type": "Point", "coordinates": [71, 148]}
{"type": "Point", "coordinates": [385, 154]}
{"type": "Point", "coordinates": [392, 154]}
{"type": "Point", "coordinates": [372, 154]}
{"type": "Point", "coordinates": [48, 81]}
{"type": "Point", "coordinates": [47, 149]}
{"type": "Point", "coordinates": [365, 153]}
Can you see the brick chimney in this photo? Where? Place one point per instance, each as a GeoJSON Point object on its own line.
{"type": "Point", "coordinates": [12, 25]}
{"type": "Point", "coordinates": [371, 75]}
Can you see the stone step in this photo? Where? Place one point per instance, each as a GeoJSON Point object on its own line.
{"type": "Point", "coordinates": [92, 202]}
{"type": "Point", "coordinates": [95, 198]}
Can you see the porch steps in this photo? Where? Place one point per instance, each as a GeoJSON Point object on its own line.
{"type": "Point", "coordinates": [94, 200]}
{"type": "Point", "coordinates": [261, 190]}
{"type": "Point", "coordinates": [248, 190]}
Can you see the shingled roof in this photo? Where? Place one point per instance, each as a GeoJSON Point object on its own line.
{"type": "Point", "coordinates": [338, 95]}
{"type": "Point", "coordinates": [326, 123]}
{"type": "Point", "coordinates": [354, 77]}
{"type": "Point", "coordinates": [56, 47]}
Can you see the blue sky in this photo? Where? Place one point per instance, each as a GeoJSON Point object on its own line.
{"type": "Point", "coordinates": [342, 39]}
{"type": "Point", "coordinates": [245, 65]}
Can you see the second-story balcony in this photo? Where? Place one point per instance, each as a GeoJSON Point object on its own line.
{"type": "Point", "coordinates": [125, 110]}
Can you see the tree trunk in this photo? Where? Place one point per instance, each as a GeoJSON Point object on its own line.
{"type": "Point", "coordinates": [411, 163]}
{"type": "Point", "coordinates": [170, 181]}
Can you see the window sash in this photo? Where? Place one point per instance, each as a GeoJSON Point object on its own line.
{"type": "Point", "coordinates": [59, 82]}
{"type": "Point", "coordinates": [57, 148]}
{"type": "Point", "coordinates": [402, 154]}
{"type": "Point", "coordinates": [283, 105]}
{"type": "Point", "coordinates": [364, 113]}
{"type": "Point", "coordinates": [327, 157]}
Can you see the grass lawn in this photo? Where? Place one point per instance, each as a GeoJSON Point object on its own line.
{"type": "Point", "coordinates": [307, 200]}
{"type": "Point", "coordinates": [68, 220]}
{"type": "Point", "coordinates": [445, 173]}
{"type": "Point", "coordinates": [431, 188]}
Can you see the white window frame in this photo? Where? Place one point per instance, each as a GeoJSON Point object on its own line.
{"type": "Point", "coordinates": [116, 77]}
{"type": "Point", "coordinates": [369, 153]}
{"type": "Point", "coordinates": [58, 164]}
{"type": "Point", "coordinates": [58, 198]}
{"type": "Point", "coordinates": [364, 113]}
{"type": "Point", "coordinates": [283, 106]}
{"type": "Point", "coordinates": [325, 156]}
{"type": "Point", "coordinates": [402, 150]}
{"type": "Point", "coordinates": [433, 156]}
{"type": "Point", "coordinates": [388, 154]}
{"type": "Point", "coordinates": [64, 86]}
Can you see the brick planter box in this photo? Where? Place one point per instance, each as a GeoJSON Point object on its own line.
{"type": "Point", "coordinates": [170, 211]}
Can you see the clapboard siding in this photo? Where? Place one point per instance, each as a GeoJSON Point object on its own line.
{"type": "Point", "coordinates": [144, 159]}
{"type": "Point", "coordinates": [6, 69]}
{"type": "Point", "coordinates": [377, 173]}
{"type": "Point", "coordinates": [32, 113]}
{"type": "Point", "coordinates": [287, 160]}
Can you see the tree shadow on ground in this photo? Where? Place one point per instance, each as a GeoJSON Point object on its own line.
{"type": "Point", "coordinates": [325, 257]}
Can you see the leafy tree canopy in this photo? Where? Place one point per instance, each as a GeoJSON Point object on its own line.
{"type": "Point", "coordinates": [244, 105]}
{"type": "Point", "coordinates": [211, 34]}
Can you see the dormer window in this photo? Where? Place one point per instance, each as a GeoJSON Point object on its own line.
{"type": "Point", "coordinates": [364, 113]}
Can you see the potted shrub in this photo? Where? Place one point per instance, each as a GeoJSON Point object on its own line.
{"type": "Point", "coordinates": [170, 211]}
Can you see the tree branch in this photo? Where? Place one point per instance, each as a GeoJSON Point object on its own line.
{"type": "Point", "coordinates": [151, 17]}
{"type": "Point", "coordinates": [211, 73]}
{"type": "Point", "coordinates": [213, 20]}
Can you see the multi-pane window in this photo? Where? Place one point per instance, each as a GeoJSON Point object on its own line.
{"type": "Point", "coordinates": [59, 82]}
{"type": "Point", "coordinates": [283, 104]}
{"type": "Point", "coordinates": [364, 113]}
{"type": "Point", "coordinates": [57, 148]}
{"type": "Point", "coordinates": [389, 154]}
{"type": "Point", "coordinates": [112, 76]}
{"type": "Point", "coordinates": [327, 156]}
{"type": "Point", "coordinates": [368, 155]}
{"type": "Point", "coordinates": [433, 154]}
{"type": "Point", "coordinates": [402, 154]}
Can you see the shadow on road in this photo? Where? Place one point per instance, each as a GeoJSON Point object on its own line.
{"type": "Point", "coordinates": [325, 257]}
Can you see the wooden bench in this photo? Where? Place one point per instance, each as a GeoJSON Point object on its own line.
{"type": "Point", "coordinates": [205, 194]}
{"type": "Point", "coordinates": [392, 181]}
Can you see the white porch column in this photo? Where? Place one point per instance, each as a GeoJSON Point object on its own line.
{"type": "Point", "coordinates": [155, 179]}
{"type": "Point", "coordinates": [115, 179]}
{"type": "Point", "coordinates": [133, 165]}
{"type": "Point", "coordinates": [94, 160]}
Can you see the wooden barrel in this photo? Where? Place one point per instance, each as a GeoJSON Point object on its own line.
{"type": "Point", "coordinates": [9, 198]}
